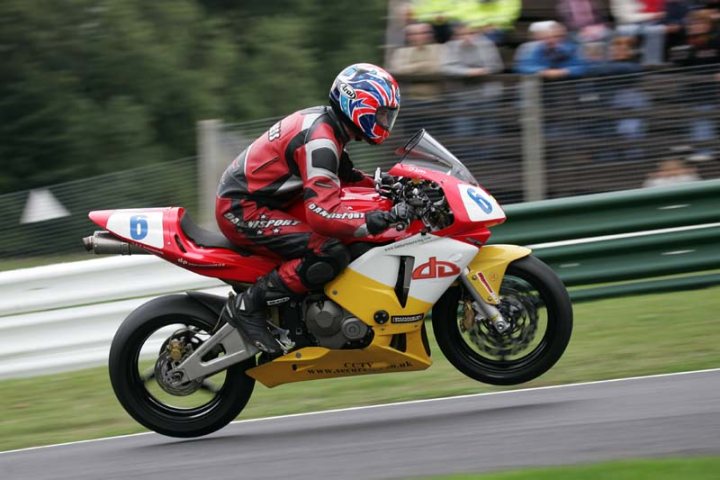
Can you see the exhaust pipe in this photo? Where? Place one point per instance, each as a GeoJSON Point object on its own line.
{"type": "Point", "coordinates": [103, 242]}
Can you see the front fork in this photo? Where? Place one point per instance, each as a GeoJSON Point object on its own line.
{"type": "Point", "coordinates": [488, 310]}
{"type": "Point", "coordinates": [483, 276]}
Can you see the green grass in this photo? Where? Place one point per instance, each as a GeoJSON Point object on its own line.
{"type": "Point", "coordinates": [665, 469]}
{"type": "Point", "coordinates": [612, 338]}
{"type": "Point", "coordinates": [17, 263]}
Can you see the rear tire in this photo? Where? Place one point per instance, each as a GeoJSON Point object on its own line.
{"type": "Point", "coordinates": [131, 389]}
{"type": "Point", "coordinates": [547, 348]}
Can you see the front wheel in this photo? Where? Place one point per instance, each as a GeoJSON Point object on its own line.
{"type": "Point", "coordinates": [534, 301]}
{"type": "Point", "coordinates": [153, 340]}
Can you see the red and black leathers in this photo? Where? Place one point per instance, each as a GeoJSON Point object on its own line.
{"type": "Point", "coordinates": [301, 155]}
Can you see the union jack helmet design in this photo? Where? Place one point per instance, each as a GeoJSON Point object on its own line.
{"type": "Point", "coordinates": [369, 97]}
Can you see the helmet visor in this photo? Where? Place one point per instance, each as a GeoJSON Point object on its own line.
{"type": "Point", "coordinates": [386, 116]}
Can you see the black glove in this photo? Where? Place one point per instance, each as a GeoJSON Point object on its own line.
{"type": "Point", "coordinates": [378, 221]}
{"type": "Point", "coordinates": [402, 212]}
{"type": "Point", "coordinates": [347, 173]}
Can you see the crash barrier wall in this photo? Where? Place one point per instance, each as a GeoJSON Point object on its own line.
{"type": "Point", "coordinates": [63, 316]}
{"type": "Point", "coordinates": [634, 235]}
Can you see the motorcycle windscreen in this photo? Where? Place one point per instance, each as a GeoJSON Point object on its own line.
{"type": "Point", "coordinates": [424, 151]}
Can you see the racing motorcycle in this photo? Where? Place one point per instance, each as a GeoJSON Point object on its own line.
{"type": "Point", "coordinates": [499, 314]}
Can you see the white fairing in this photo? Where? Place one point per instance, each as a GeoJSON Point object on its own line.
{"type": "Point", "coordinates": [480, 205]}
{"type": "Point", "coordinates": [144, 226]}
{"type": "Point", "coordinates": [437, 263]}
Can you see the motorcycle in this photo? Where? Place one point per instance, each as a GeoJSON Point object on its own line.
{"type": "Point", "coordinates": [499, 315]}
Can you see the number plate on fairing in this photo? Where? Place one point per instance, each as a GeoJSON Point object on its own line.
{"type": "Point", "coordinates": [480, 205]}
{"type": "Point", "coordinates": [141, 226]}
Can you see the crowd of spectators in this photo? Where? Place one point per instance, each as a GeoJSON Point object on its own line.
{"type": "Point", "coordinates": [578, 41]}
{"type": "Point", "coordinates": [457, 42]}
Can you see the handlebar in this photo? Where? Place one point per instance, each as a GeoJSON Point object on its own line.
{"type": "Point", "coordinates": [417, 199]}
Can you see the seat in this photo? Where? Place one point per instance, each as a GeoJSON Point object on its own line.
{"type": "Point", "coordinates": [206, 238]}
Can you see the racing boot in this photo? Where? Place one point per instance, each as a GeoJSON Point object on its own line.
{"type": "Point", "coordinates": [248, 311]}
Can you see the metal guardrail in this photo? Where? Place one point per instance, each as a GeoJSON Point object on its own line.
{"type": "Point", "coordinates": [633, 235]}
{"type": "Point", "coordinates": [63, 316]}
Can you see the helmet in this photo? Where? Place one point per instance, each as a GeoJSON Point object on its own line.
{"type": "Point", "coordinates": [368, 98]}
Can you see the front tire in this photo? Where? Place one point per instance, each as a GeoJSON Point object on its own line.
{"type": "Point", "coordinates": [174, 412]}
{"type": "Point", "coordinates": [533, 298]}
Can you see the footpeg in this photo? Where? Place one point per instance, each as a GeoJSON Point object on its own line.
{"type": "Point", "coordinates": [282, 338]}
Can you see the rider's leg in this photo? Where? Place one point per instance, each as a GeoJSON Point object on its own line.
{"type": "Point", "coordinates": [311, 260]}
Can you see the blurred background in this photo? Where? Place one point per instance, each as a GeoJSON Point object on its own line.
{"type": "Point", "coordinates": [573, 113]}
{"type": "Point", "coordinates": [100, 100]}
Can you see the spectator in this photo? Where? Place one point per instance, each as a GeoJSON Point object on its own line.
{"type": "Point", "coordinates": [712, 5]}
{"type": "Point", "coordinates": [671, 172]}
{"type": "Point", "coordinates": [676, 12]}
{"type": "Point", "coordinates": [495, 18]}
{"type": "Point", "coordinates": [702, 48]}
{"type": "Point", "coordinates": [437, 13]}
{"type": "Point", "coordinates": [620, 59]}
{"type": "Point", "coordinates": [535, 31]}
{"type": "Point", "coordinates": [643, 18]}
{"type": "Point", "coordinates": [585, 19]}
{"type": "Point", "coordinates": [470, 55]}
{"type": "Point", "coordinates": [420, 59]}
{"type": "Point", "coordinates": [702, 43]}
{"type": "Point", "coordinates": [553, 56]}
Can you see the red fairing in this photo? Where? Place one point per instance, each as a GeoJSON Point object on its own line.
{"type": "Point", "coordinates": [179, 249]}
{"type": "Point", "coordinates": [232, 266]}
{"type": "Point", "coordinates": [463, 228]}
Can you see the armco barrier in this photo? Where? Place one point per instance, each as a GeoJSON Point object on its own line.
{"type": "Point", "coordinates": [624, 236]}
{"type": "Point", "coordinates": [63, 316]}
{"type": "Point", "coordinates": [610, 213]}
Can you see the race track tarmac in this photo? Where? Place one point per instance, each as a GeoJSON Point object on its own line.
{"type": "Point", "coordinates": [675, 415]}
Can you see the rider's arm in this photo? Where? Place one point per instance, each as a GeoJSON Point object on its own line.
{"type": "Point", "coordinates": [319, 162]}
{"type": "Point", "coordinates": [349, 175]}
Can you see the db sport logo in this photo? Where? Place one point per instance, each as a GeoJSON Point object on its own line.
{"type": "Point", "coordinates": [435, 269]}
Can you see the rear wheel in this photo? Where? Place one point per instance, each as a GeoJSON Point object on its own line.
{"type": "Point", "coordinates": [538, 308]}
{"type": "Point", "coordinates": [153, 340]}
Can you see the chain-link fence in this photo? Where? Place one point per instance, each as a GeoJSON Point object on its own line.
{"type": "Point", "coordinates": [524, 139]}
{"type": "Point", "coordinates": [31, 231]}
{"type": "Point", "coordinates": [521, 138]}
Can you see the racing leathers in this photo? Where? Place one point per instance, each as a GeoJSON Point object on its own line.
{"type": "Point", "coordinates": [302, 155]}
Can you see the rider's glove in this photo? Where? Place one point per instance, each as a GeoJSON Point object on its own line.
{"type": "Point", "coordinates": [402, 212]}
{"type": "Point", "coordinates": [378, 221]}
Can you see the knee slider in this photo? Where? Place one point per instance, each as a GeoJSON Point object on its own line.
{"type": "Point", "coordinates": [318, 269]}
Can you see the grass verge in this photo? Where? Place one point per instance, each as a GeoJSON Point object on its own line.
{"type": "Point", "coordinates": [612, 339]}
{"type": "Point", "coordinates": [665, 469]}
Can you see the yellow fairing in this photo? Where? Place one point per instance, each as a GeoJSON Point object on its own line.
{"type": "Point", "coordinates": [363, 297]}
{"type": "Point", "coordinates": [488, 268]}
{"type": "Point", "coordinates": [311, 363]}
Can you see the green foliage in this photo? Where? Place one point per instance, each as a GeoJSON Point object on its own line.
{"type": "Point", "coordinates": [95, 86]}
